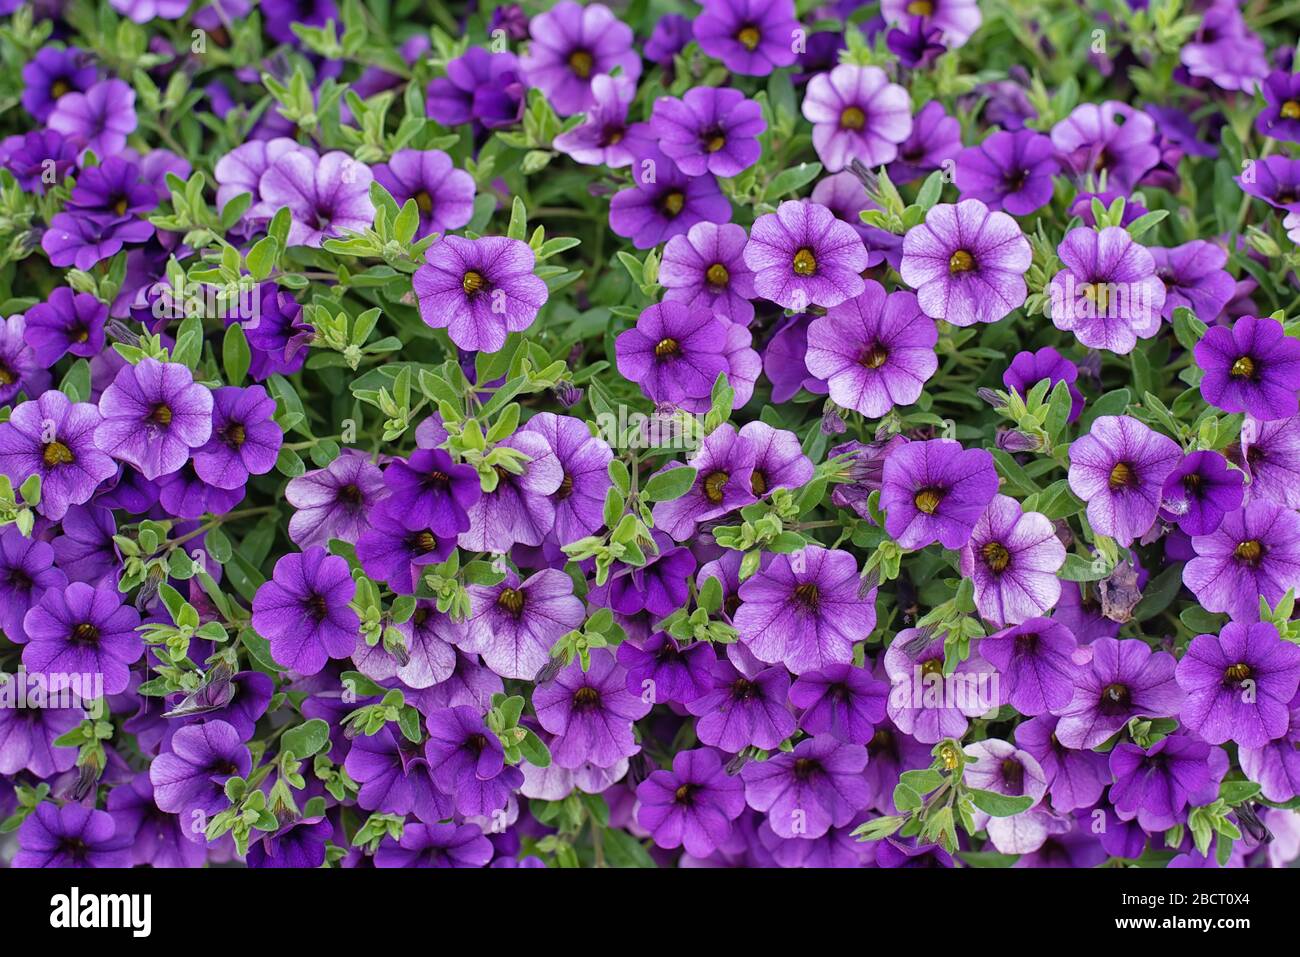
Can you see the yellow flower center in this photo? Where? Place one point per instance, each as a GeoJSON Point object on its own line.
{"type": "Point", "coordinates": [512, 600]}
{"type": "Point", "coordinates": [424, 202]}
{"type": "Point", "coordinates": [1238, 672]}
{"type": "Point", "coordinates": [920, 8]}
{"type": "Point", "coordinates": [1291, 110]}
{"type": "Point", "coordinates": [673, 203]}
{"type": "Point", "coordinates": [1122, 476]}
{"type": "Point", "coordinates": [161, 415]}
{"type": "Point", "coordinates": [665, 348]}
{"type": "Point", "coordinates": [472, 282]}
{"type": "Point", "coordinates": [927, 500]}
{"type": "Point", "coordinates": [1098, 293]}
{"type": "Point", "coordinates": [749, 37]}
{"type": "Point", "coordinates": [56, 453]}
{"type": "Point", "coordinates": [1249, 551]}
{"type": "Point", "coordinates": [58, 88]}
{"type": "Point", "coordinates": [807, 595]}
{"type": "Point", "coordinates": [875, 357]}
{"type": "Point", "coordinates": [852, 119]}
{"type": "Point", "coordinates": [714, 483]}
{"type": "Point", "coordinates": [580, 63]}
{"type": "Point", "coordinates": [717, 275]}
{"type": "Point", "coordinates": [805, 263]}
{"type": "Point", "coordinates": [758, 482]}
{"type": "Point", "coordinates": [1244, 368]}
{"type": "Point", "coordinates": [996, 556]}
{"type": "Point", "coordinates": [715, 142]}
{"type": "Point", "coordinates": [960, 261]}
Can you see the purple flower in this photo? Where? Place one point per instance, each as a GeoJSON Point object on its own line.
{"type": "Point", "coordinates": [1253, 367]}
{"type": "Point", "coordinates": [710, 130]}
{"type": "Point", "coordinates": [667, 672]}
{"type": "Point", "coordinates": [67, 322]}
{"type": "Point", "coordinates": [1254, 553]}
{"type": "Point", "coordinates": [935, 491]}
{"type": "Point", "coordinates": [671, 34]}
{"type": "Point", "coordinates": [802, 255]}
{"type": "Point", "coordinates": [278, 336]}
{"type": "Point", "coordinates": [570, 45]}
{"type": "Point", "coordinates": [846, 196]}
{"type": "Point", "coordinates": [114, 190]}
{"type": "Point", "coordinates": [245, 437]}
{"type": "Point", "coordinates": [804, 610]}
{"type": "Point", "coordinates": [429, 490]}
{"type": "Point", "coordinates": [1125, 679]}
{"type": "Point", "coordinates": [1275, 180]}
{"type": "Point", "coordinates": [934, 143]}
{"type": "Point", "coordinates": [584, 459]}
{"type": "Point", "coordinates": [521, 509]}
{"type": "Point", "coordinates": [393, 553]}
{"type": "Point", "coordinates": [1109, 137]}
{"type": "Point", "coordinates": [27, 571]}
{"type": "Point", "coordinates": [1011, 172]}
{"type": "Point", "coordinates": [856, 113]}
{"type": "Point", "coordinates": [1269, 454]}
{"type": "Point", "coordinates": [71, 836]}
{"type": "Point", "coordinates": [956, 20]}
{"type": "Point", "coordinates": [189, 778]}
{"type": "Point", "coordinates": [807, 791]}
{"type": "Point", "coordinates": [750, 37]}
{"type": "Point", "coordinates": [1035, 661]}
{"type": "Point", "coordinates": [154, 414]}
{"type": "Point", "coordinates": [743, 710]}
{"type": "Point", "coordinates": [443, 194]}
{"type": "Point", "coordinates": [480, 86]}
{"type": "Point", "coordinates": [673, 352]}
{"type": "Point", "coordinates": [874, 351]}
{"type": "Point", "coordinates": [1075, 779]}
{"type": "Point", "coordinates": [663, 201]}
{"type": "Point", "coordinates": [1239, 685]}
{"type": "Point", "coordinates": [658, 587]}
{"type": "Point", "coordinates": [325, 196]}
{"type": "Point", "coordinates": [605, 137]}
{"type": "Point", "coordinates": [514, 624]}
{"type": "Point", "coordinates": [693, 805]}
{"type": "Point", "coordinates": [299, 844]}
{"type": "Point", "coordinates": [1200, 491]}
{"type": "Point", "coordinates": [1002, 768]}
{"type": "Point", "coordinates": [38, 159]}
{"type": "Point", "coordinates": [1119, 468]}
{"type": "Point", "coordinates": [467, 762]}
{"type": "Point", "coordinates": [52, 74]}
{"type": "Point", "coordinates": [27, 737]}
{"type": "Point", "coordinates": [303, 610]}
{"type": "Point", "coordinates": [1027, 369]}
{"type": "Point", "coordinates": [724, 469]}
{"type": "Point", "coordinates": [83, 630]}
{"type": "Point", "coordinates": [241, 170]}
{"type": "Point", "coordinates": [479, 290]}
{"type": "Point", "coordinates": [83, 241]}
{"type": "Point", "coordinates": [428, 659]}
{"type": "Point", "coordinates": [590, 713]}
{"type": "Point", "coordinates": [1276, 764]}
{"type": "Point", "coordinates": [99, 119]}
{"type": "Point", "coordinates": [54, 438]}
{"type": "Point", "coordinates": [924, 702]}
{"type": "Point", "coordinates": [395, 778]}
{"type": "Point", "coordinates": [19, 370]}
{"type": "Point", "coordinates": [279, 16]}
{"type": "Point", "coordinates": [967, 264]}
{"type": "Point", "coordinates": [1280, 118]}
{"type": "Point", "coordinates": [435, 845]}
{"type": "Point", "coordinates": [1154, 787]}
{"type": "Point", "coordinates": [840, 700]}
{"type": "Point", "coordinates": [1225, 51]}
{"type": "Point", "coordinates": [333, 502]}
{"type": "Point", "coordinates": [1194, 278]}
{"type": "Point", "coordinates": [1013, 557]}
{"type": "Point", "coordinates": [915, 42]}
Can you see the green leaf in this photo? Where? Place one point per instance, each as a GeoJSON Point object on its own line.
{"type": "Point", "coordinates": [670, 484]}
{"type": "Point", "coordinates": [999, 805]}
{"type": "Point", "coordinates": [235, 354]}
{"type": "Point", "coordinates": [306, 739]}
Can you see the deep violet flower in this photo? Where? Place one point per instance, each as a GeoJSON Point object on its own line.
{"type": "Point", "coordinates": [665, 670]}
{"type": "Point", "coordinates": [1013, 557]}
{"type": "Point", "coordinates": [245, 437]}
{"type": "Point", "coordinates": [1009, 171]}
{"type": "Point", "coordinates": [83, 630]}
{"type": "Point", "coordinates": [54, 438]}
{"type": "Point", "coordinates": [303, 610]}
{"type": "Point", "coordinates": [1155, 786]}
{"type": "Point", "coordinates": [1194, 278]}
{"type": "Point", "coordinates": [590, 712]}
{"type": "Point", "coordinates": [1200, 491]}
{"type": "Point", "coordinates": [744, 710]}
{"type": "Point", "coordinates": [857, 113]}
{"type": "Point", "coordinates": [521, 509]}
{"type": "Point", "coordinates": [840, 700]}
{"type": "Point", "coordinates": [606, 137]}
{"type": "Point", "coordinates": [514, 624]}
{"type": "Point", "coordinates": [443, 194]}
{"type": "Point", "coordinates": [804, 610]}
{"type": "Point", "coordinates": [52, 73]}
{"type": "Point", "coordinates": [428, 657]}
{"type": "Point", "coordinates": [67, 322]}
{"type": "Point", "coordinates": [710, 129]}
{"type": "Point", "coordinates": [874, 351]}
{"type": "Point", "coordinates": [966, 263]}
{"type": "Point", "coordinates": [1119, 468]}
{"type": "Point", "coordinates": [393, 553]}
{"type": "Point", "coordinates": [933, 144]}
{"type": "Point", "coordinates": [154, 414]}
{"type": "Point", "coordinates": [1280, 118]}
{"type": "Point", "coordinates": [1275, 180]}
{"type": "Point", "coordinates": [802, 255]}
{"type": "Point", "coordinates": [27, 737]}
{"type": "Point", "coordinates": [570, 45]}
{"type": "Point", "coordinates": [1075, 779]}
{"type": "Point", "coordinates": [325, 196]}
{"type": "Point", "coordinates": [724, 470]}
{"type": "Point", "coordinates": [38, 159]}
{"type": "Point", "coordinates": [435, 845]}
{"type": "Point", "coordinates": [189, 778]}
{"type": "Point", "coordinates": [916, 42]}
{"type": "Point", "coordinates": [71, 836]}
{"type": "Point", "coordinates": [480, 86]}
{"type": "Point", "coordinates": [750, 37]}
{"type": "Point", "coordinates": [1109, 137]}
{"type": "Point", "coordinates": [1124, 679]}
{"type": "Point", "coordinates": [429, 490]}
{"type": "Point", "coordinates": [1276, 764]}
{"type": "Point", "coordinates": [1253, 367]}
{"type": "Point", "coordinates": [657, 587]}
{"type": "Point", "coordinates": [693, 805]}
{"type": "Point", "coordinates": [1035, 662]}
{"type": "Point", "coordinates": [395, 778]}
{"type": "Point", "coordinates": [333, 502]}
{"type": "Point", "coordinates": [1239, 685]}
{"type": "Point", "coordinates": [663, 201]}
{"type": "Point", "coordinates": [479, 290]}
{"type": "Point", "coordinates": [674, 351]}
{"type": "Point", "coordinates": [99, 119]}
{"type": "Point", "coordinates": [936, 491]}
{"type": "Point", "coordinates": [1027, 369]}
{"type": "Point", "coordinates": [807, 791]}
{"type": "Point", "coordinates": [1253, 554]}
{"type": "Point", "coordinates": [467, 761]}
{"type": "Point", "coordinates": [27, 571]}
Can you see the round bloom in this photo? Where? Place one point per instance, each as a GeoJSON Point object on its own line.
{"type": "Point", "coordinates": [1119, 468]}
{"type": "Point", "coordinates": [590, 713]}
{"type": "Point", "coordinates": [706, 270]}
{"type": "Point", "coordinates": [1239, 685]}
{"type": "Point", "coordinates": [605, 137]}
{"type": "Point", "coordinates": [1280, 117]}
{"type": "Point", "coordinates": [857, 113]}
{"type": "Point", "coordinates": [807, 791]}
{"type": "Point", "coordinates": [154, 414]}
{"type": "Point", "coordinates": [724, 481]}
{"type": "Point", "coordinates": [435, 845]}
{"type": "Point", "coordinates": [956, 20]}
{"type": "Point", "coordinates": [65, 323]}
{"type": "Point", "coordinates": [570, 45]}
{"type": "Point", "coordinates": [1253, 367]}
{"type": "Point", "coordinates": [1253, 554]}
{"type": "Point", "coordinates": [1013, 557]}
{"type": "Point", "coordinates": [429, 490]}
{"type": "Point", "coordinates": [99, 119]}
{"type": "Point", "coordinates": [479, 290]}
{"type": "Point", "coordinates": [935, 142]}
{"type": "Point", "coordinates": [443, 194]}
{"type": "Point", "coordinates": [1035, 659]}
{"type": "Point", "coordinates": [925, 703]}
{"type": "Point", "coordinates": [1156, 786]}
{"type": "Point", "coordinates": [467, 761]}
{"type": "Point", "coordinates": [325, 196]}
{"type": "Point", "coordinates": [1125, 679]}
{"type": "Point", "coordinates": [874, 351]}
{"type": "Point", "coordinates": [805, 610]}
{"type": "Point", "coordinates": [391, 552]}
{"type": "Point", "coordinates": [53, 73]}
{"type": "Point", "coordinates": [935, 491]}
{"type": "Point", "coordinates": [1075, 779]}
{"type": "Point", "coordinates": [480, 86]}
{"type": "Point", "coordinates": [1269, 454]}
{"type": "Point", "coordinates": [1109, 137]}
{"type": "Point", "coordinates": [54, 438]}
{"type": "Point", "coordinates": [303, 610]}
{"type": "Point", "coordinates": [584, 462]}
{"type": "Point", "coordinates": [709, 130]}
{"type": "Point", "coordinates": [840, 700]}
{"type": "Point", "coordinates": [1200, 491]}
{"type": "Point", "coordinates": [1275, 180]}
{"type": "Point", "coordinates": [80, 631]}
{"type": "Point", "coordinates": [966, 263]}
{"type": "Point", "coordinates": [71, 836]}
{"type": "Point", "coordinates": [1194, 278]}
{"type": "Point", "coordinates": [514, 624]}
{"type": "Point", "coordinates": [190, 775]}
{"type": "Point", "coordinates": [673, 352]}
{"type": "Point", "coordinates": [691, 806]}
{"type": "Point", "coordinates": [332, 502]}
{"type": "Point", "coordinates": [245, 437]}
{"type": "Point", "coordinates": [750, 37]}
{"type": "Point", "coordinates": [1010, 171]}
{"type": "Point", "coordinates": [744, 710]}
{"type": "Point", "coordinates": [663, 201]}
{"type": "Point", "coordinates": [1108, 294]}
{"type": "Point", "coordinates": [802, 255]}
